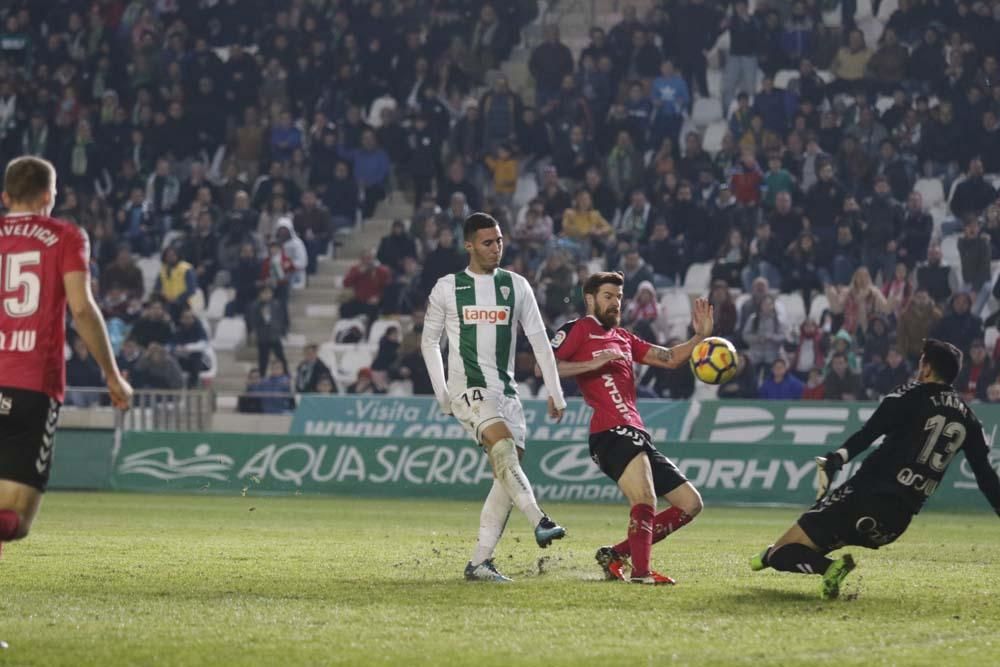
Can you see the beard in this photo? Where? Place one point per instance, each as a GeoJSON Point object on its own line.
{"type": "Point", "coordinates": [609, 317]}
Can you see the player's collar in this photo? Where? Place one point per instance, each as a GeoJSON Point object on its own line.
{"type": "Point", "coordinates": [19, 214]}
{"type": "Point", "coordinates": [480, 275]}
{"type": "Point", "coordinates": [594, 317]}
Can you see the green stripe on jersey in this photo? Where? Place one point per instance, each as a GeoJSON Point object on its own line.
{"type": "Point", "coordinates": [504, 286]}
{"type": "Point", "coordinates": [465, 295]}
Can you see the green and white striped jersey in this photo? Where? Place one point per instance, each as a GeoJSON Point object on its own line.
{"type": "Point", "coordinates": [480, 314]}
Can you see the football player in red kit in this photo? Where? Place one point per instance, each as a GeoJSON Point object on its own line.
{"type": "Point", "coordinates": [600, 355]}
{"type": "Point", "coordinates": [44, 264]}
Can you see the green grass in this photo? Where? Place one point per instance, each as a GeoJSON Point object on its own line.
{"type": "Point", "coordinates": [135, 579]}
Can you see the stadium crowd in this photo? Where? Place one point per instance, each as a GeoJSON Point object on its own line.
{"type": "Point", "coordinates": [816, 185]}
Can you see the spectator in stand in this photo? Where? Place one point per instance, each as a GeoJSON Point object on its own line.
{"type": "Point", "coordinates": [249, 401]}
{"type": "Point", "coordinates": [295, 250]}
{"type": "Point", "coordinates": [396, 246]}
{"type": "Point", "coordinates": [935, 277]}
{"type": "Point", "coordinates": [636, 272]}
{"type": "Point", "coordinates": [154, 326]}
{"type": "Point", "coordinates": [549, 63]}
{"type": "Point", "coordinates": [740, 75]}
{"type": "Point", "coordinates": [915, 231]}
{"type": "Point", "coordinates": [731, 258]}
{"type": "Point", "coordinates": [444, 259]}
{"type": "Point", "coordinates": [584, 230]}
{"type": "Point", "coordinates": [201, 251]}
{"type": "Point", "coordinates": [343, 198]}
{"type": "Point", "coordinates": [603, 197]}
{"type": "Point", "coordinates": [313, 224]}
{"type": "Point", "coordinates": [746, 179]}
{"type": "Point", "coordinates": [973, 194]}
{"type": "Point", "coordinates": [82, 372]}
{"type": "Point", "coordinates": [311, 371]}
{"type": "Point", "coordinates": [764, 333]}
{"type": "Point", "coordinates": [763, 259]}
{"type": "Point", "coordinates": [959, 326]}
{"type": "Point", "coordinates": [364, 384]}
{"type": "Point", "coordinates": [190, 347]}
{"type": "Point", "coordinates": [241, 216]}
{"type": "Point", "coordinates": [726, 316]}
{"type": "Point", "coordinates": [368, 280]}
{"type": "Point", "coordinates": [268, 324]}
{"type": "Point", "coordinates": [554, 196]}
{"type": "Point", "coordinates": [532, 238]}
{"type": "Point", "coordinates": [802, 270]}
{"type": "Point", "coordinates": [176, 283]}
{"type": "Point", "coordinates": [664, 255]}
{"type": "Point", "coordinates": [919, 318]}
{"type": "Point", "coordinates": [976, 254]}
{"type": "Point", "coordinates": [815, 389]}
{"type": "Point", "coordinates": [891, 373]}
{"type": "Point", "coordinates": [642, 307]}
{"type": "Point", "coordinates": [851, 63]}
{"type": "Point", "coordinates": [857, 302]}
{"type": "Point", "coordinates": [276, 389]}
{"type": "Point", "coordinates": [624, 166]}
{"type": "Point", "coordinates": [122, 275]}
{"type": "Point", "coordinates": [504, 168]}
{"type": "Point", "coordinates": [157, 370]}
{"type": "Point", "coordinates": [285, 138]}
{"type": "Point", "coordinates": [897, 291]}
{"type": "Point", "coordinates": [455, 181]}
{"type": "Point", "coordinates": [781, 385]}
{"type": "Point", "coordinates": [841, 383]}
{"type": "Point", "coordinates": [977, 373]}
{"type": "Point", "coordinates": [371, 171]}
{"type": "Point", "coordinates": [810, 352]}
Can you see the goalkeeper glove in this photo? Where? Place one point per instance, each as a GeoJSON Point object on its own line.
{"type": "Point", "coordinates": [827, 468]}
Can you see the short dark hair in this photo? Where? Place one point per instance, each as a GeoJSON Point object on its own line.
{"type": "Point", "coordinates": [478, 221]}
{"type": "Point", "coordinates": [594, 282]}
{"type": "Point", "coordinates": [944, 359]}
{"type": "Point", "coordinates": [28, 178]}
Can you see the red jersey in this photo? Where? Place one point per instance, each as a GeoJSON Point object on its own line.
{"type": "Point", "coordinates": [35, 253]}
{"type": "Point", "coordinates": [610, 390]}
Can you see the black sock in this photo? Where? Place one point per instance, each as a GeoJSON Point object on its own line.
{"type": "Point", "coordinates": [798, 558]}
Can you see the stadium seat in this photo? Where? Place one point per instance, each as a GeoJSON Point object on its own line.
{"type": "Point", "coordinates": [818, 305]}
{"type": "Point", "coordinates": [783, 77]}
{"type": "Point", "coordinates": [170, 237]}
{"type": "Point", "coordinates": [697, 279]}
{"type": "Point", "coordinates": [990, 337]}
{"type": "Point", "coordinates": [949, 252]}
{"type": "Point", "coordinates": [217, 302]}
{"type": "Point", "coordinates": [795, 310]}
{"type": "Point", "coordinates": [883, 104]}
{"type": "Point", "coordinates": [212, 361]}
{"type": "Point", "coordinates": [740, 299]}
{"type": "Point", "coordinates": [712, 142]}
{"type": "Point", "coordinates": [931, 190]}
{"type": "Point", "coordinates": [342, 326]}
{"type": "Point", "coordinates": [706, 111]}
{"type": "Point", "coordinates": [150, 269]}
{"type": "Point", "coordinates": [380, 327]}
{"type": "Point", "coordinates": [351, 360]}
{"type": "Point", "coordinates": [230, 333]}
{"type": "Point", "coordinates": [677, 305]}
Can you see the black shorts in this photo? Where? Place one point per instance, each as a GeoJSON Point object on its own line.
{"type": "Point", "coordinates": [848, 516]}
{"type": "Point", "coordinates": [27, 435]}
{"type": "Point", "coordinates": [614, 449]}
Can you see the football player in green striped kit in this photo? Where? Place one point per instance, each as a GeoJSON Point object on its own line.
{"type": "Point", "coordinates": [479, 310]}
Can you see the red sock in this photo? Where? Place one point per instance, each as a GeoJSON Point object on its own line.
{"type": "Point", "coordinates": [664, 523]}
{"type": "Point", "coordinates": [640, 538]}
{"type": "Point", "coordinates": [9, 523]}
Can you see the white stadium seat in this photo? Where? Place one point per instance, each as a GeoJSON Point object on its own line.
{"type": "Point", "coordinates": [818, 305]}
{"type": "Point", "coordinates": [931, 190]}
{"type": "Point", "coordinates": [990, 338]}
{"type": "Point", "coordinates": [698, 277]}
{"type": "Point", "coordinates": [677, 305]}
{"type": "Point", "coordinates": [217, 302]}
{"type": "Point", "coordinates": [380, 327]}
{"type": "Point", "coordinates": [150, 269]}
{"type": "Point", "coordinates": [706, 111]}
{"type": "Point", "coordinates": [949, 252]}
{"type": "Point", "coordinates": [712, 142]}
{"type": "Point", "coordinates": [783, 77]}
{"type": "Point", "coordinates": [230, 333]}
{"type": "Point", "coordinates": [795, 310]}
{"type": "Point", "coordinates": [345, 325]}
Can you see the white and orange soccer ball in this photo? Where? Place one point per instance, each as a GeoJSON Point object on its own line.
{"type": "Point", "coordinates": [714, 360]}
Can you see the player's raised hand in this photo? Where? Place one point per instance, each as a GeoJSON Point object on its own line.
{"type": "Point", "coordinates": [554, 412]}
{"type": "Point", "coordinates": [703, 317]}
{"type": "Point", "coordinates": [121, 392]}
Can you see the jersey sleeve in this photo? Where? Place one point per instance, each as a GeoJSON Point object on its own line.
{"type": "Point", "coordinates": [977, 453]}
{"type": "Point", "coordinates": [639, 346]}
{"type": "Point", "coordinates": [430, 342]}
{"type": "Point", "coordinates": [890, 413]}
{"type": "Point", "coordinates": [75, 250]}
{"type": "Point", "coordinates": [530, 317]}
{"type": "Point", "coordinates": [566, 341]}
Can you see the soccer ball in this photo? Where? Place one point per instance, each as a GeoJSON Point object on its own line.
{"type": "Point", "coordinates": [714, 360]}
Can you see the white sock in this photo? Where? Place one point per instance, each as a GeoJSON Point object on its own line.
{"type": "Point", "coordinates": [492, 521]}
{"type": "Point", "coordinates": [506, 467]}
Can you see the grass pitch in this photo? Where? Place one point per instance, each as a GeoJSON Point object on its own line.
{"type": "Point", "coordinates": [170, 580]}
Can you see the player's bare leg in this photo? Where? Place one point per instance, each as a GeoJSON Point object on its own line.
{"type": "Point", "coordinates": [19, 504]}
{"type": "Point", "coordinates": [502, 452]}
{"type": "Point", "coordinates": [796, 552]}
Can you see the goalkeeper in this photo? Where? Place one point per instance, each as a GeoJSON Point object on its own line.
{"type": "Point", "coordinates": [925, 423]}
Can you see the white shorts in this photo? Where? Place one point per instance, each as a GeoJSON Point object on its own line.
{"type": "Point", "coordinates": [476, 409]}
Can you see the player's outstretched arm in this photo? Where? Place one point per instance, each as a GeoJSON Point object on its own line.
{"type": "Point", "coordinates": [977, 453]}
{"type": "Point", "coordinates": [547, 363]}
{"type": "Point", "coordinates": [430, 349]}
{"type": "Point", "coordinates": [702, 321]}
{"type": "Point", "coordinates": [90, 325]}
{"type": "Point", "coordinates": [568, 369]}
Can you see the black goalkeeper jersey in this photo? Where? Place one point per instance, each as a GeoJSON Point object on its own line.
{"type": "Point", "coordinates": [925, 425]}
